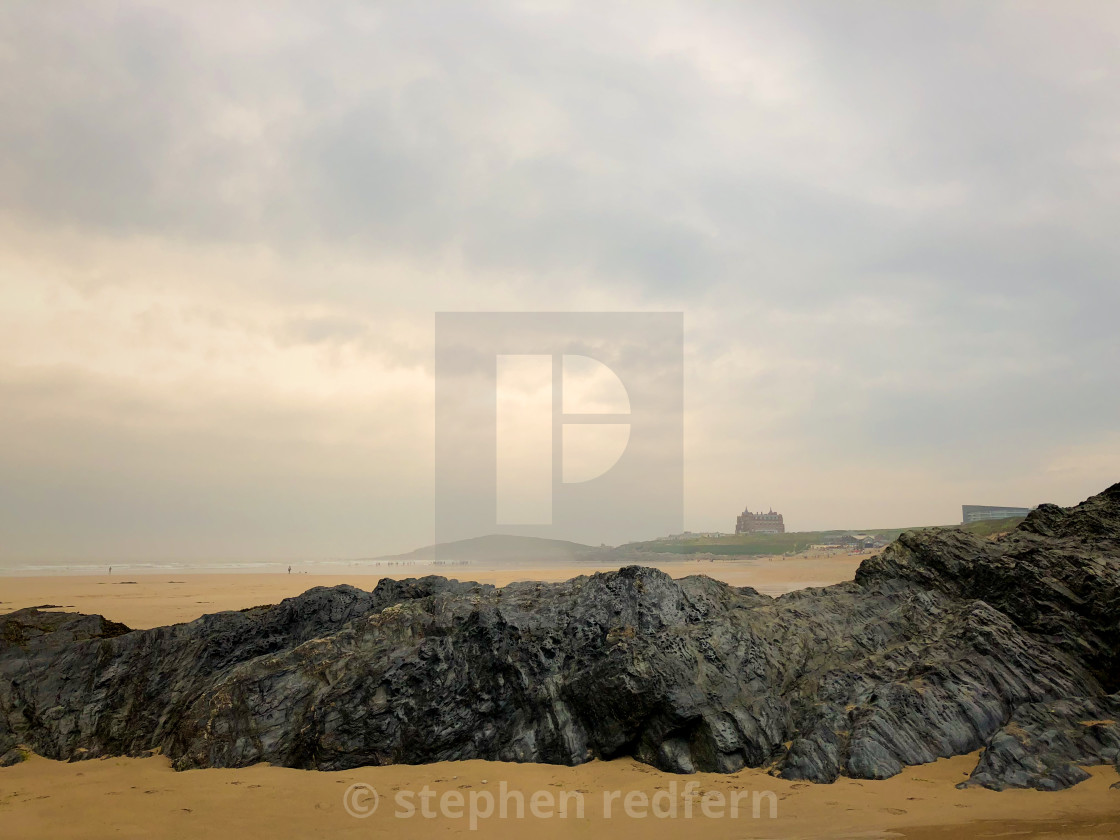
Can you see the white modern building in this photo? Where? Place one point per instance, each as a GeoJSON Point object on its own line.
{"type": "Point", "coordinates": [976, 513]}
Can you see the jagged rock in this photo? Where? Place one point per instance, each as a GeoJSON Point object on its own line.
{"type": "Point", "coordinates": [1056, 575]}
{"type": "Point", "coordinates": [944, 644]}
{"type": "Point", "coordinates": [1043, 745]}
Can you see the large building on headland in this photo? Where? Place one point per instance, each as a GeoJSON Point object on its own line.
{"type": "Point", "coordinates": [759, 523]}
{"type": "Point", "coordinates": [976, 513]}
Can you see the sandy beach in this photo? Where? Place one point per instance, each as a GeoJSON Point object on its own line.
{"type": "Point", "coordinates": [145, 798]}
{"type": "Point", "coordinates": [154, 599]}
{"type": "Point", "coordinates": [646, 328]}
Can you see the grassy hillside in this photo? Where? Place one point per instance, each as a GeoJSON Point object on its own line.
{"type": "Point", "coordinates": [753, 544]}
{"type": "Point", "coordinates": [793, 542]}
{"type": "Point", "coordinates": [740, 544]}
{"type": "Point", "coordinates": [991, 527]}
{"type": "Point", "coordinates": [498, 548]}
{"type": "Point", "coordinates": [503, 549]}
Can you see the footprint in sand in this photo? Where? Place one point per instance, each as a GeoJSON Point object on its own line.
{"type": "Point", "coordinates": [895, 811]}
{"type": "Point", "coordinates": [799, 785]}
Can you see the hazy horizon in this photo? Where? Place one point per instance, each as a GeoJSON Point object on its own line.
{"type": "Point", "coordinates": [164, 561]}
{"type": "Point", "coordinates": [225, 231]}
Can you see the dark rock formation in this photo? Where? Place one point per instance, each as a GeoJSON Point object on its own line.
{"type": "Point", "coordinates": [1043, 744]}
{"type": "Point", "coordinates": [945, 643]}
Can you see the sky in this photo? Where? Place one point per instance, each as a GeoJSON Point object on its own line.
{"type": "Point", "coordinates": [225, 230]}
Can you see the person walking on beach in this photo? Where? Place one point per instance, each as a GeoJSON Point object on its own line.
{"type": "Point", "coordinates": [289, 570]}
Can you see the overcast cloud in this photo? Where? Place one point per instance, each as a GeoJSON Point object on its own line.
{"type": "Point", "coordinates": [225, 228]}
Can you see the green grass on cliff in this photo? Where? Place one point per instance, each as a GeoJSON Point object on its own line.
{"type": "Point", "coordinates": [991, 527]}
{"type": "Point", "coordinates": [753, 544]}
{"type": "Point", "coordinates": [793, 542]}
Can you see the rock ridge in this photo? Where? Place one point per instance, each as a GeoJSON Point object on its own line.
{"type": "Point", "coordinates": [945, 643]}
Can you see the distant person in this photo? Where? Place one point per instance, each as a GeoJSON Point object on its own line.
{"type": "Point", "coordinates": [289, 570]}
{"type": "Point", "coordinates": [110, 570]}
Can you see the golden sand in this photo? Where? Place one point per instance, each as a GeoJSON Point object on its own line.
{"type": "Point", "coordinates": [145, 798]}
{"type": "Point", "coordinates": [151, 600]}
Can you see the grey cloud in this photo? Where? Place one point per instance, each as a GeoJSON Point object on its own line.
{"type": "Point", "coordinates": [951, 165]}
{"type": "Point", "coordinates": [96, 468]}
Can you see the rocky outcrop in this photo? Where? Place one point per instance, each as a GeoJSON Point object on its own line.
{"type": "Point", "coordinates": [1044, 744]}
{"type": "Point", "coordinates": [945, 643]}
{"type": "Point", "coordinates": [1057, 575]}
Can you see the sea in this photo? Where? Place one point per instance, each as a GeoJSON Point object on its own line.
{"type": "Point", "coordinates": [18, 568]}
